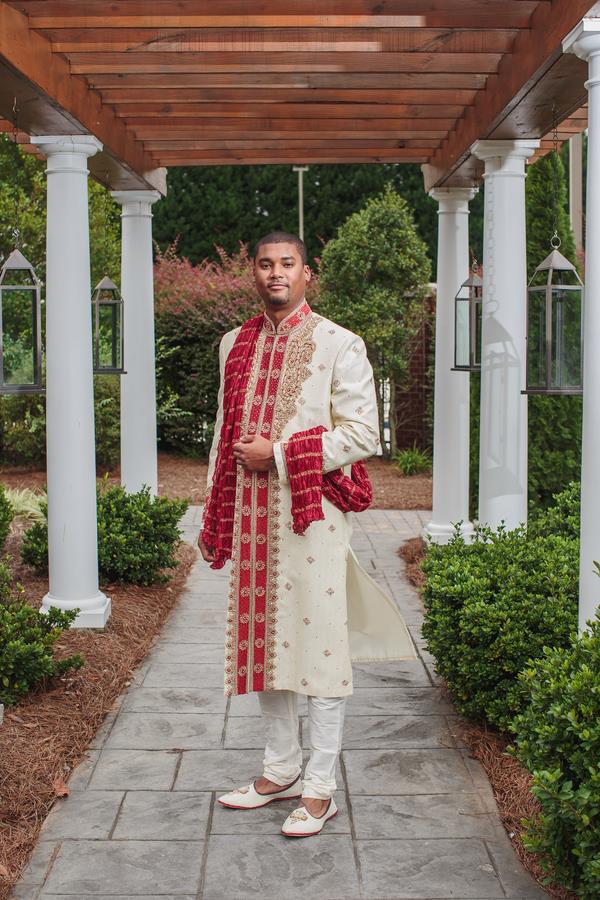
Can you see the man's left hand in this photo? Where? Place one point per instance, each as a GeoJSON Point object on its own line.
{"type": "Point", "coordinates": [255, 453]}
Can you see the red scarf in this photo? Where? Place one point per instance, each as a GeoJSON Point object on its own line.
{"type": "Point", "coordinates": [304, 459]}
{"type": "Point", "coordinates": [217, 529]}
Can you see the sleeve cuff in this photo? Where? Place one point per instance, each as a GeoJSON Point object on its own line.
{"type": "Point", "coordinates": [280, 462]}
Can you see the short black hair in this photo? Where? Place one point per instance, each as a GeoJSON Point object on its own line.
{"type": "Point", "coordinates": [282, 237]}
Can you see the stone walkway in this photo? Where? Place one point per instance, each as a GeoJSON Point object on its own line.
{"type": "Point", "coordinates": [417, 817]}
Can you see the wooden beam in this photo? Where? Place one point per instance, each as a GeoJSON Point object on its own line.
{"type": "Point", "coordinates": [533, 54]}
{"type": "Point", "coordinates": [289, 40]}
{"type": "Point", "coordinates": [267, 143]}
{"type": "Point", "coordinates": [333, 159]}
{"type": "Point", "coordinates": [264, 137]}
{"type": "Point", "coordinates": [159, 62]}
{"type": "Point", "coordinates": [302, 111]}
{"type": "Point", "coordinates": [381, 98]}
{"type": "Point", "coordinates": [344, 81]}
{"type": "Point", "coordinates": [305, 14]}
{"type": "Point", "coordinates": [47, 75]}
{"type": "Point", "coordinates": [171, 126]}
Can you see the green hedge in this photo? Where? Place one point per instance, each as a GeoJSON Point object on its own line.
{"type": "Point", "coordinates": [137, 536]}
{"type": "Point", "coordinates": [558, 739]}
{"type": "Point", "coordinates": [27, 638]}
{"type": "Point", "coordinates": [23, 426]}
{"type": "Point", "coordinates": [493, 605]}
{"type": "Point", "coordinates": [6, 516]}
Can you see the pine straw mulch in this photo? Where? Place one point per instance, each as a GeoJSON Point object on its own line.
{"type": "Point", "coordinates": [510, 781]}
{"type": "Point", "coordinates": [180, 476]}
{"type": "Point", "coordinates": [46, 735]}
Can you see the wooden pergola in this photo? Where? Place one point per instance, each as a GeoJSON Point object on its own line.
{"type": "Point", "coordinates": [318, 81]}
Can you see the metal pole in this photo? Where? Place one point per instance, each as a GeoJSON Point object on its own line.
{"type": "Point", "coordinates": [300, 170]}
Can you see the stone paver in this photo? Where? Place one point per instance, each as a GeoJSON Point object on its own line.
{"type": "Point", "coordinates": [417, 817]}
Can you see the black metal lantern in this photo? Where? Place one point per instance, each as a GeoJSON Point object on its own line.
{"type": "Point", "coordinates": [468, 308]}
{"type": "Point", "coordinates": [20, 327]}
{"type": "Point", "coordinates": [554, 327]}
{"type": "Point", "coordinates": [107, 318]}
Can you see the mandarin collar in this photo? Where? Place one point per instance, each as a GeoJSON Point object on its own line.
{"type": "Point", "coordinates": [291, 321]}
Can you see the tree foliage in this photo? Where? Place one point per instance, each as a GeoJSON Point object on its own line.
{"type": "Point", "coordinates": [219, 206]}
{"type": "Point", "coordinates": [373, 279]}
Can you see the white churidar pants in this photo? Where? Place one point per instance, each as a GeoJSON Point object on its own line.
{"type": "Point", "coordinates": [283, 753]}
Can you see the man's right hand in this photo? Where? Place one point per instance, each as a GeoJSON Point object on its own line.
{"type": "Point", "coordinates": [208, 553]}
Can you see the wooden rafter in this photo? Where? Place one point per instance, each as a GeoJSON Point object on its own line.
{"type": "Point", "coordinates": [198, 82]}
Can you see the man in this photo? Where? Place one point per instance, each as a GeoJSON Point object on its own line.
{"type": "Point", "coordinates": [297, 403]}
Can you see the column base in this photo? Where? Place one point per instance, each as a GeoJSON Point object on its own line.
{"type": "Point", "coordinates": [441, 533]}
{"type": "Point", "coordinates": [95, 612]}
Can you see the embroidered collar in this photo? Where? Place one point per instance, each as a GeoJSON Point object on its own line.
{"type": "Point", "coordinates": [295, 318]}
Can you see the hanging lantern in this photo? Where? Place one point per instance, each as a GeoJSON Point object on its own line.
{"type": "Point", "coordinates": [107, 318]}
{"type": "Point", "coordinates": [468, 307]}
{"type": "Point", "coordinates": [20, 327]}
{"type": "Point", "coordinates": [554, 327]}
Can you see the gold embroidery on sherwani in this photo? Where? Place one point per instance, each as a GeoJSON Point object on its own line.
{"type": "Point", "coordinates": [299, 353]}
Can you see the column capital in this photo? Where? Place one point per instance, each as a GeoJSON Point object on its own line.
{"type": "Point", "coordinates": [584, 39]}
{"type": "Point", "coordinates": [453, 199]}
{"type": "Point", "coordinates": [136, 203]}
{"type": "Point", "coordinates": [504, 150]}
{"type": "Point", "coordinates": [56, 144]}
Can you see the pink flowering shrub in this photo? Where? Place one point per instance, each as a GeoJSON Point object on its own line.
{"type": "Point", "coordinates": [195, 306]}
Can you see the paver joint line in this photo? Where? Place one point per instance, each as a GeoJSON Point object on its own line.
{"type": "Point", "coordinates": [409, 796]}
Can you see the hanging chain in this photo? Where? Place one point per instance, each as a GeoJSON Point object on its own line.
{"type": "Point", "coordinates": [555, 241]}
{"type": "Point", "coordinates": [16, 231]}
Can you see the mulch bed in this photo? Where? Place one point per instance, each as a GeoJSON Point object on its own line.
{"type": "Point", "coordinates": [180, 476]}
{"type": "Point", "coordinates": [46, 735]}
{"type": "Point", "coordinates": [510, 781]}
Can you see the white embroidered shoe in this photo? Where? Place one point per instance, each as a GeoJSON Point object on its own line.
{"type": "Point", "coordinates": [249, 798]}
{"type": "Point", "coordinates": [300, 823]}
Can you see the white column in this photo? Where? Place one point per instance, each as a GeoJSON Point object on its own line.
{"type": "Point", "coordinates": [585, 42]}
{"type": "Point", "coordinates": [503, 430]}
{"type": "Point", "coordinates": [576, 189]}
{"type": "Point", "coordinates": [71, 455]}
{"type": "Point", "coordinates": [138, 391]}
{"type": "Point", "coordinates": [451, 395]}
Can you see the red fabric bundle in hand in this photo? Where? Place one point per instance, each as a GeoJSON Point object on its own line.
{"type": "Point", "coordinates": [304, 461]}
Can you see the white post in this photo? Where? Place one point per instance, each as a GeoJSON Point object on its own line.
{"type": "Point", "coordinates": [584, 41]}
{"type": "Point", "coordinates": [451, 395]}
{"type": "Point", "coordinates": [71, 457]}
{"type": "Point", "coordinates": [503, 422]}
{"type": "Point", "coordinates": [576, 189]}
{"type": "Point", "coordinates": [138, 391]}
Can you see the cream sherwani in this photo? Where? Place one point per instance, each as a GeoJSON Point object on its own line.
{"type": "Point", "coordinates": [300, 606]}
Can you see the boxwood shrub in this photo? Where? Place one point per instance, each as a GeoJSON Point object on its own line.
{"type": "Point", "coordinates": [6, 516]}
{"type": "Point", "coordinates": [27, 638]}
{"type": "Point", "coordinates": [491, 607]}
{"type": "Point", "coordinates": [558, 738]}
{"type": "Point", "coordinates": [137, 536]}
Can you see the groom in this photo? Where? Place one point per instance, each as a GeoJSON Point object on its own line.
{"type": "Point", "coordinates": [297, 405]}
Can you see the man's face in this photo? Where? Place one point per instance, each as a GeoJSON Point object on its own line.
{"type": "Point", "coordinates": [280, 275]}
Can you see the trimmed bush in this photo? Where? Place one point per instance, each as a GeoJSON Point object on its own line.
{"type": "Point", "coordinates": [27, 639]}
{"type": "Point", "coordinates": [558, 739]}
{"type": "Point", "coordinates": [6, 516]}
{"type": "Point", "coordinates": [563, 517]}
{"type": "Point", "coordinates": [137, 536]}
{"type": "Point", "coordinates": [491, 607]}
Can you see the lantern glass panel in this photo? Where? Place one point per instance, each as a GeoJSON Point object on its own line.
{"type": "Point", "coordinates": [19, 339]}
{"type": "Point", "coordinates": [536, 338]}
{"type": "Point", "coordinates": [566, 338]}
{"type": "Point", "coordinates": [462, 332]}
{"type": "Point", "coordinates": [109, 315]}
